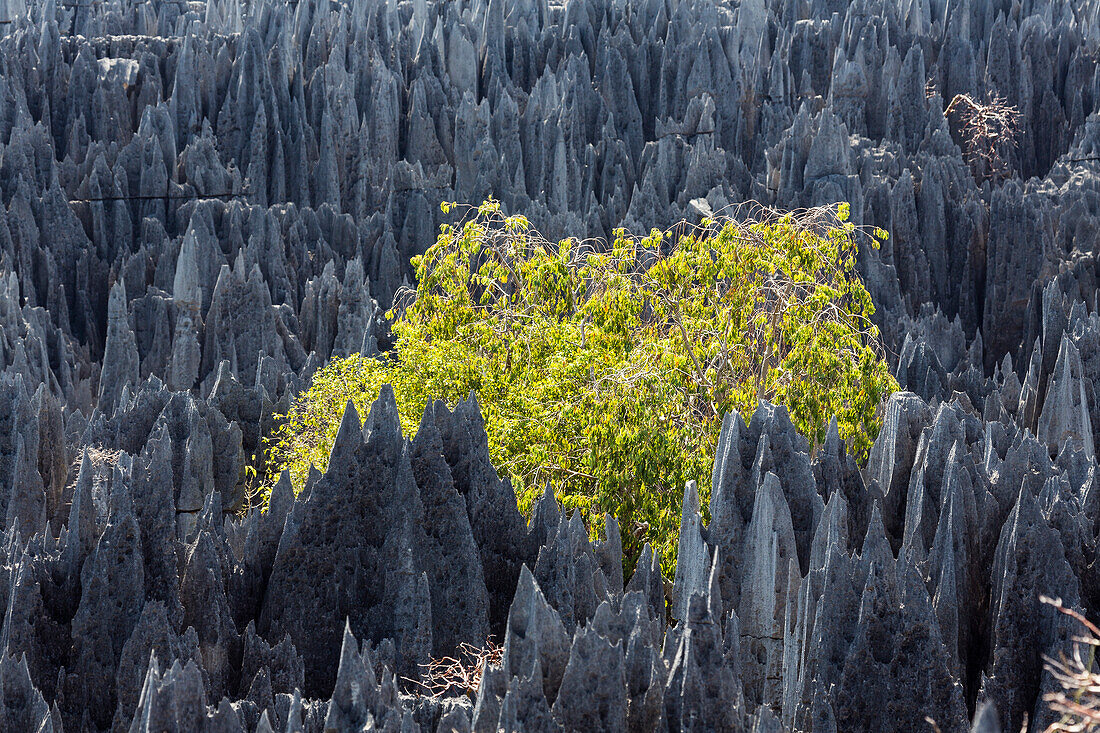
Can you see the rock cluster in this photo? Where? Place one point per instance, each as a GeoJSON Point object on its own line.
{"type": "Point", "coordinates": [203, 202]}
{"type": "Point", "coordinates": [817, 598]}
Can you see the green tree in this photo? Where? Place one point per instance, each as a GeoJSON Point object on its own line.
{"type": "Point", "coordinates": [605, 370]}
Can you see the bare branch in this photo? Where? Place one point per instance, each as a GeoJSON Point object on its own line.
{"type": "Point", "coordinates": [451, 676]}
{"type": "Point", "coordinates": [1079, 700]}
{"type": "Point", "coordinates": [989, 134]}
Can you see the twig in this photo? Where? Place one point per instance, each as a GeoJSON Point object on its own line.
{"type": "Point", "coordinates": [687, 343]}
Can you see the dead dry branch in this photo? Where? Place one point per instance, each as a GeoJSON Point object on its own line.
{"type": "Point", "coordinates": [1079, 700]}
{"type": "Point", "coordinates": [988, 132]}
{"type": "Point", "coordinates": [450, 676]}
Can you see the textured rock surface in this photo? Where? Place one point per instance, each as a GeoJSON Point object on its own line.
{"type": "Point", "coordinates": [201, 203]}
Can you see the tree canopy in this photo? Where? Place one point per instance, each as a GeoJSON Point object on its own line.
{"type": "Point", "coordinates": [605, 368]}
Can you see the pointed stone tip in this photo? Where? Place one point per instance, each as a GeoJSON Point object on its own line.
{"type": "Point", "coordinates": [350, 656]}
{"type": "Point", "coordinates": [770, 485]}
{"type": "Point", "coordinates": [428, 415]}
{"type": "Point", "coordinates": [225, 375]}
{"type": "Point", "coordinates": [154, 663]}
{"type": "Point", "coordinates": [610, 526]}
{"type": "Point", "coordinates": [836, 505]}
{"type": "Point", "coordinates": [118, 295]}
{"type": "Point", "coordinates": [527, 581]}
{"type": "Point", "coordinates": [85, 461]}
{"type": "Point", "coordinates": [349, 421]}
{"type": "Point", "coordinates": [349, 436]}
{"type": "Point", "coordinates": [986, 719]}
{"type": "Point", "coordinates": [832, 434]}
{"type": "Point", "coordinates": [428, 431]}
{"type": "Point", "coordinates": [876, 531]}
{"type": "Point", "coordinates": [348, 636]}
{"type": "Point", "coordinates": [383, 416]}
{"type": "Point", "coordinates": [575, 525]}
{"type": "Point", "coordinates": [282, 493]}
{"type": "Point", "coordinates": [729, 421]}
{"type": "Point", "coordinates": [264, 726]}
{"type": "Point", "coordinates": [385, 394]}
{"type": "Point", "coordinates": [691, 497]}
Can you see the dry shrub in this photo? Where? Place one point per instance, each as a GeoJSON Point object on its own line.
{"type": "Point", "coordinates": [988, 132]}
{"type": "Point", "coordinates": [1079, 700]}
{"type": "Point", "coordinates": [102, 457]}
{"type": "Point", "coordinates": [102, 460]}
{"type": "Point", "coordinates": [449, 676]}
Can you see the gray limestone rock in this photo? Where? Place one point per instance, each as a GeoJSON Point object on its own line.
{"type": "Point", "coordinates": [879, 689]}
{"type": "Point", "coordinates": [460, 602]}
{"type": "Point", "coordinates": [176, 701]}
{"type": "Point", "coordinates": [112, 598]}
{"type": "Point", "coordinates": [152, 637]}
{"type": "Point", "coordinates": [120, 357]}
{"type": "Point", "coordinates": [281, 663]}
{"type": "Point", "coordinates": [360, 699]}
{"type": "Point", "coordinates": [1065, 414]}
{"type": "Point", "coordinates": [496, 523]}
{"type": "Point", "coordinates": [693, 558]}
{"type": "Point", "coordinates": [23, 706]}
{"type": "Point", "coordinates": [203, 204]}
{"type": "Point", "coordinates": [704, 689]}
{"type": "Point", "coordinates": [893, 453]}
{"type": "Point", "coordinates": [206, 610]}
{"type": "Point", "coordinates": [524, 704]}
{"type": "Point", "coordinates": [592, 695]}
{"type": "Point", "coordinates": [535, 633]}
{"type": "Point", "coordinates": [770, 561]}
{"type": "Point", "coordinates": [1019, 622]}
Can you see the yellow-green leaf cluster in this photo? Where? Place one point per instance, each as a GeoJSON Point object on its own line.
{"type": "Point", "coordinates": [605, 370]}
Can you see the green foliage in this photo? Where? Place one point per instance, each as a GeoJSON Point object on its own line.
{"type": "Point", "coordinates": [606, 371]}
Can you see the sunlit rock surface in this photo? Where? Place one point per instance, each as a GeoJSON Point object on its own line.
{"type": "Point", "coordinates": [202, 202]}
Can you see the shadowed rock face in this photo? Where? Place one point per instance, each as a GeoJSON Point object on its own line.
{"type": "Point", "coordinates": [203, 202]}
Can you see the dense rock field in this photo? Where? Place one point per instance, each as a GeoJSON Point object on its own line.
{"type": "Point", "coordinates": [201, 203]}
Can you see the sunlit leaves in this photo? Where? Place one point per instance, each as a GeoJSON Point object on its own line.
{"type": "Point", "coordinates": [606, 370]}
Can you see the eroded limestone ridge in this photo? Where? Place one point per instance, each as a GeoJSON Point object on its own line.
{"type": "Point", "coordinates": [202, 203]}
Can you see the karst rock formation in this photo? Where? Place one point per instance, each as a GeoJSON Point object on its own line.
{"type": "Point", "coordinates": [201, 203]}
